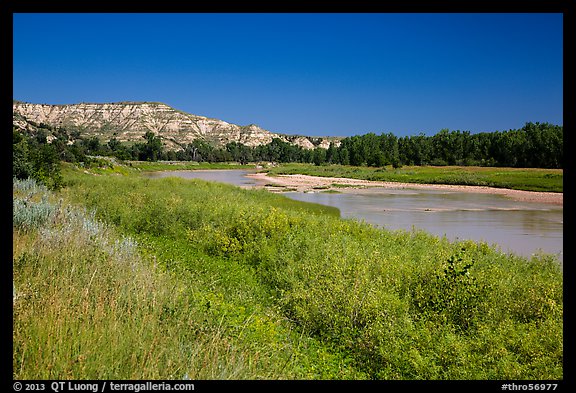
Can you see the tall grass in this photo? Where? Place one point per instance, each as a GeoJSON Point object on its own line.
{"type": "Point", "coordinates": [90, 303]}
{"type": "Point", "coordinates": [374, 303]}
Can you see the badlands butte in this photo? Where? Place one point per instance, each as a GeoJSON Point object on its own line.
{"type": "Point", "coordinates": [129, 121]}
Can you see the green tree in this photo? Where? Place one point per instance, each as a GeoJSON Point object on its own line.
{"type": "Point", "coordinates": [332, 154]}
{"type": "Point", "coordinates": [36, 160]}
{"type": "Point", "coordinates": [21, 165]}
{"type": "Point", "coordinates": [152, 149]}
{"type": "Point", "coordinates": [344, 156]}
{"type": "Point", "coordinates": [319, 156]}
{"type": "Point", "coordinates": [201, 150]}
{"type": "Point", "coordinates": [114, 144]}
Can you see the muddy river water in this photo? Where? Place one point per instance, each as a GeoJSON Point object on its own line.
{"type": "Point", "coordinates": [523, 228]}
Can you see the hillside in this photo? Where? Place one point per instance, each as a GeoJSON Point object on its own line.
{"type": "Point", "coordinates": [129, 121]}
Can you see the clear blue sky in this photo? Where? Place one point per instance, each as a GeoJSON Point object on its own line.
{"type": "Point", "coordinates": [308, 74]}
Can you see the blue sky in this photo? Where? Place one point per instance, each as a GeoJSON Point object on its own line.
{"type": "Point", "coordinates": [334, 74]}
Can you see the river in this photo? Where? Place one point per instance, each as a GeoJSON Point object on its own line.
{"type": "Point", "coordinates": [523, 228]}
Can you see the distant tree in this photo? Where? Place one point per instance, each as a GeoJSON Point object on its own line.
{"type": "Point", "coordinates": [39, 161]}
{"type": "Point", "coordinates": [114, 144]}
{"type": "Point", "coordinates": [344, 156]}
{"type": "Point", "coordinates": [201, 150]}
{"type": "Point", "coordinates": [47, 166]}
{"type": "Point", "coordinates": [332, 154]}
{"type": "Point", "coordinates": [377, 159]}
{"type": "Point", "coordinates": [92, 145]}
{"type": "Point", "coordinates": [152, 150]}
{"type": "Point", "coordinates": [41, 136]}
{"type": "Point", "coordinates": [21, 165]}
{"type": "Point", "coordinates": [319, 156]}
{"type": "Point", "coordinates": [170, 155]}
{"type": "Point", "coordinates": [239, 152]}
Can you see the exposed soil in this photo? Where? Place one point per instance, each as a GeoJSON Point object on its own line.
{"type": "Point", "coordinates": [306, 183]}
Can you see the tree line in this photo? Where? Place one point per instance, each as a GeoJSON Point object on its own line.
{"type": "Point", "coordinates": [536, 145]}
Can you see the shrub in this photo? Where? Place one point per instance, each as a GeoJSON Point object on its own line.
{"type": "Point", "coordinates": [27, 211]}
{"type": "Point", "coordinates": [395, 304]}
{"type": "Point", "coordinates": [452, 295]}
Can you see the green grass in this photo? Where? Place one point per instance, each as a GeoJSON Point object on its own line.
{"type": "Point", "coordinates": [528, 179]}
{"type": "Point", "coordinates": [185, 165]}
{"type": "Point", "coordinates": [174, 276]}
{"type": "Point", "coordinates": [90, 303]}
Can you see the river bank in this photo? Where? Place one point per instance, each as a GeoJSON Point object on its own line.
{"type": "Point", "coordinates": [261, 278]}
{"type": "Point", "coordinates": [307, 183]}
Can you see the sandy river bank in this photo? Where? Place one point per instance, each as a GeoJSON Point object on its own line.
{"type": "Point", "coordinates": [306, 183]}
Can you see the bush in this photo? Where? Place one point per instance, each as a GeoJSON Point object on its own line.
{"type": "Point", "coordinates": [396, 304]}
{"type": "Point", "coordinates": [40, 161]}
{"type": "Point", "coordinates": [27, 211]}
{"type": "Point", "coordinates": [452, 295]}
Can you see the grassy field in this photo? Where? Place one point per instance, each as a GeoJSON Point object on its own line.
{"type": "Point", "coordinates": [528, 179]}
{"type": "Point", "coordinates": [185, 165]}
{"type": "Point", "coordinates": [174, 278]}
